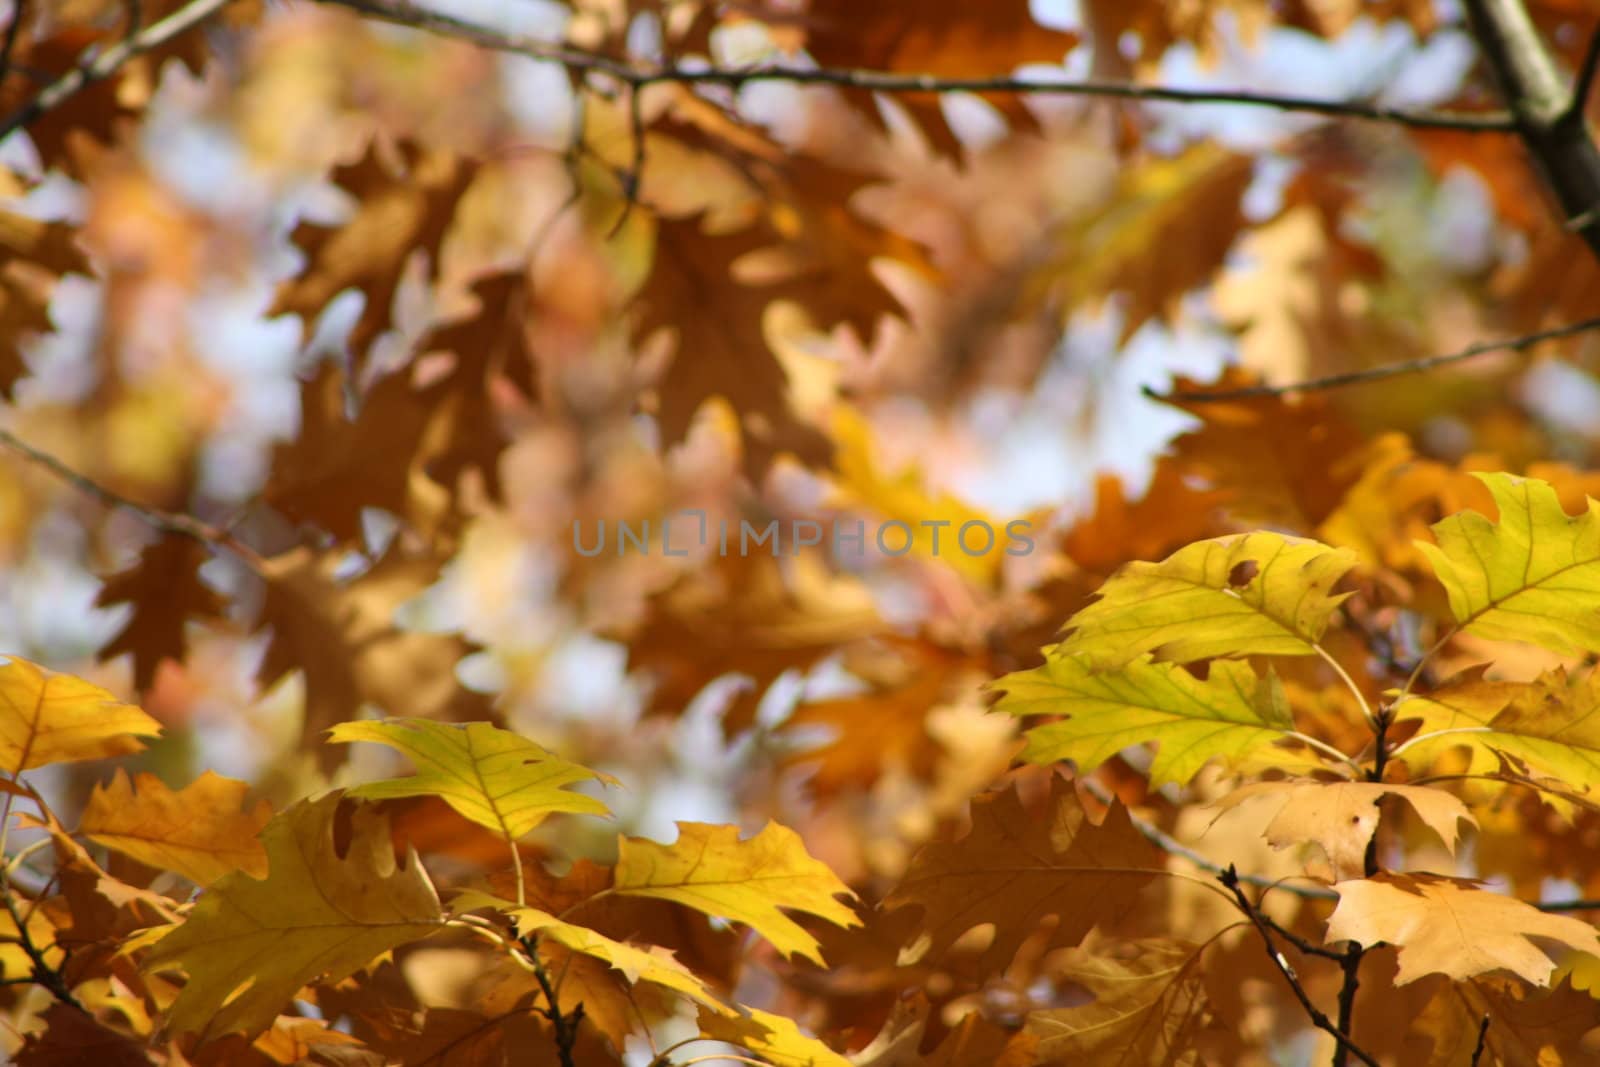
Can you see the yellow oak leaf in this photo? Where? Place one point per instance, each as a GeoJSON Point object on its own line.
{"type": "Point", "coordinates": [1534, 576]}
{"type": "Point", "coordinates": [494, 777]}
{"type": "Point", "coordinates": [1232, 715]}
{"type": "Point", "coordinates": [1451, 927]}
{"type": "Point", "coordinates": [776, 1039]}
{"type": "Point", "coordinates": [58, 718]}
{"type": "Point", "coordinates": [711, 870]}
{"type": "Point", "coordinates": [1546, 725]}
{"type": "Point", "coordinates": [1014, 869]}
{"type": "Point", "coordinates": [202, 831]}
{"type": "Point", "coordinates": [1341, 817]}
{"type": "Point", "coordinates": [1149, 1006]}
{"type": "Point", "coordinates": [1244, 594]}
{"type": "Point", "coordinates": [637, 963]}
{"type": "Point", "coordinates": [250, 944]}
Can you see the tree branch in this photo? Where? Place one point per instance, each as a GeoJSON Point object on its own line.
{"type": "Point", "coordinates": [403, 13]}
{"type": "Point", "coordinates": [171, 522]}
{"type": "Point", "coordinates": [1548, 115]}
{"type": "Point", "coordinates": [1230, 880]}
{"type": "Point", "coordinates": [106, 63]}
{"type": "Point", "coordinates": [1388, 370]}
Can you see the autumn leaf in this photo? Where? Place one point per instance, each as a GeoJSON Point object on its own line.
{"type": "Point", "coordinates": [1149, 1006]}
{"type": "Point", "coordinates": [405, 199]}
{"type": "Point", "coordinates": [636, 964]}
{"type": "Point", "coordinates": [341, 632]}
{"type": "Point", "coordinates": [1244, 594]}
{"type": "Point", "coordinates": [1451, 927]}
{"type": "Point", "coordinates": [166, 592]}
{"type": "Point", "coordinates": [1341, 817]}
{"type": "Point", "coordinates": [494, 777]}
{"type": "Point", "coordinates": [249, 945]}
{"type": "Point", "coordinates": [33, 256]}
{"type": "Point", "coordinates": [1533, 576]}
{"type": "Point", "coordinates": [775, 1039]}
{"type": "Point", "coordinates": [1014, 869]}
{"type": "Point", "coordinates": [1231, 715]}
{"type": "Point", "coordinates": [1545, 724]}
{"type": "Point", "coordinates": [202, 831]}
{"type": "Point", "coordinates": [975, 1042]}
{"type": "Point", "coordinates": [752, 881]}
{"type": "Point", "coordinates": [61, 719]}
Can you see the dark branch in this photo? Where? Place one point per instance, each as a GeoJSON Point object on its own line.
{"type": "Point", "coordinates": [1388, 370]}
{"type": "Point", "coordinates": [1483, 1034]}
{"type": "Point", "coordinates": [406, 14]}
{"type": "Point", "coordinates": [1230, 880]}
{"type": "Point", "coordinates": [1548, 115]}
{"type": "Point", "coordinates": [8, 45]}
{"type": "Point", "coordinates": [1585, 80]}
{"type": "Point", "coordinates": [108, 62]}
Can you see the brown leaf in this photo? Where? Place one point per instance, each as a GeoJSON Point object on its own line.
{"type": "Point", "coordinates": [343, 636]}
{"type": "Point", "coordinates": [1167, 517]}
{"type": "Point", "coordinates": [403, 205]}
{"type": "Point", "coordinates": [166, 591]}
{"type": "Point", "coordinates": [943, 38]}
{"type": "Point", "coordinates": [71, 1037]}
{"type": "Point", "coordinates": [33, 256]}
{"type": "Point", "coordinates": [1015, 869]}
{"type": "Point", "coordinates": [409, 444]}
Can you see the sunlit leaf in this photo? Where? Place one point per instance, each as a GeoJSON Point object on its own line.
{"type": "Point", "coordinates": [58, 718]}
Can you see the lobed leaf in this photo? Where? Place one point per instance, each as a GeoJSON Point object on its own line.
{"type": "Point", "coordinates": [1533, 576]}
{"type": "Point", "coordinates": [58, 718]}
{"type": "Point", "coordinates": [1231, 715]}
{"type": "Point", "coordinates": [1240, 595]}
{"type": "Point", "coordinates": [750, 881]}
{"type": "Point", "coordinates": [250, 944]}
{"type": "Point", "coordinates": [201, 831]}
{"type": "Point", "coordinates": [494, 777]}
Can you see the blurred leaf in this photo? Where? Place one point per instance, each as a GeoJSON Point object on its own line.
{"type": "Point", "coordinates": [61, 719]}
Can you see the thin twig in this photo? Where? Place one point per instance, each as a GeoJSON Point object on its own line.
{"type": "Point", "coordinates": [407, 14]}
{"type": "Point", "coordinates": [42, 973]}
{"type": "Point", "coordinates": [1483, 1034]}
{"type": "Point", "coordinates": [172, 522]}
{"type": "Point", "coordinates": [1230, 880]}
{"type": "Point", "coordinates": [107, 63]}
{"type": "Point", "coordinates": [564, 1024]}
{"type": "Point", "coordinates": [1388, 370]}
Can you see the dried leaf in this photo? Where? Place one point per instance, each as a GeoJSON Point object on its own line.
{"type": "Point", "coordinates": [166, 592]}
{"type": "Point", "coordinates": [203, 831]}
{"type": "Point", "coordinates": [1451, 927]}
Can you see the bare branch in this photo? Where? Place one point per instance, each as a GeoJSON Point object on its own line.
{"type": "Point", "coordinates": [166, 521]}
{"type": "Point", "coordinates": [1230, 880]}
{"type": "Point", "coordinates": [1388, 370]}
{"type": "Point", "coordinates": [407, 14]}
{"type": "Point", "coordinates": [1585, 79]}
{"type": "Point", "coordinates": [107, 63]}
{"type": "Point", "coordinates": [1483, 1034]}
{"type": "Point", "coordinates": [8, 45]}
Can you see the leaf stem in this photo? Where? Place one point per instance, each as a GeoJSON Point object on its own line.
{"type": "Point", "coordinates": [1350, 683]}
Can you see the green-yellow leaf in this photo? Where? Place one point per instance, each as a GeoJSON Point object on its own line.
{"type": "Point", "coordinates": [59, 719]}
{"type": "Point", "coordinates": [1240, 595]}
{"type": "Point", "coordinates": [711, 870]}
{"type": "Point", "coordinates": [1232, 715]}
{"type": "Point", "coordinates": [202, 831]}
{"type": "Point", "coordinates": [638, 964]}
{"type": "Point", "coordinates": [1534, 576]}
{"type": "Point", "coordinates": [250, 945]}
{"type": "Point", "coordinates": [1548, 724]}
{"type": "Point", "coordinates": [494, 777]}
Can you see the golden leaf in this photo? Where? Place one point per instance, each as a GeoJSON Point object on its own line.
{"type": "Point", "coordinates": [711, 870]}
{"type": "Point", "coordinates": [199, 831]}
{"type": "Point", "coordinates": [249, 945]}
{"type": "Point", "coordinates": [62, 719]}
